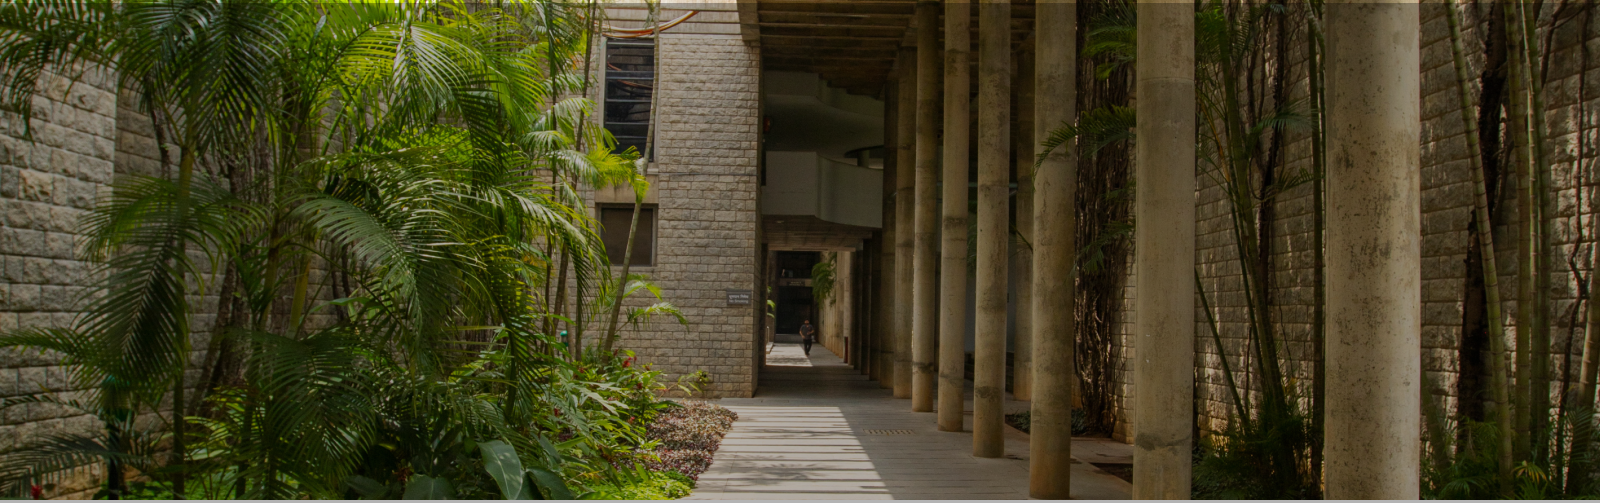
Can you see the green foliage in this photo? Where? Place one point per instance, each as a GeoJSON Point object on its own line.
{"type": "Point", "coordinates": [1094, 130]}
{"type": "Point", "coordinates": [666, 485]}
{"type": "Point", "coordinates": [1260, 459]}
{"type": "Point", "coordinates": [402, 148]}
{"type": "Point", "coordinates": [822, 276]}
{"type": "Point", "coordinates": [1472, 470]}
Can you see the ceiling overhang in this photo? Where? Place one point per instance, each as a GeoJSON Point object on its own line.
{"type": "Point", "coordinates": [809, 233]}
{"type": "Point", "coordinates": [853, 45]}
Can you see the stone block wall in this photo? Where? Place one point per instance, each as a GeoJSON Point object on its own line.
{"type": "Point", "coordinates": [85, 135]}
{"type": "Point", "coordinates": [708, 218]}
{"type": "Point", "coordinates": [47, 184]}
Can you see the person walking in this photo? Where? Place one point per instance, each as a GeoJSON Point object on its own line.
{"type": "Point", "coordinates": [808, 335]}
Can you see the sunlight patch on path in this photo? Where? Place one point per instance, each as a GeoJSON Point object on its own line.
{"type": "Point", "coordinates": [818, 429]}
{"type": "Point", "coordinates": [788, 354]}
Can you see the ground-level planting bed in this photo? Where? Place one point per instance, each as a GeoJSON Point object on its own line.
{"type": "Point", "coordinates": [687, 436]}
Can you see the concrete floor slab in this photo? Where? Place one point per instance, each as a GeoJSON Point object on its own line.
{"type": "Point", "coordinates": [818, 429]}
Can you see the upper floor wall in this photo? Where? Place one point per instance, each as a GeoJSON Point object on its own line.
{"type": "Point", "coordinates": [805, 114]}
{"type": "Point", "coordinates": [806, 183]}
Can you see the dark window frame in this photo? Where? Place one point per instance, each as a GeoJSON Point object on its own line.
{"type": "Point", "coordinates": [649, 215]}
{"type": "Point", "coordinates": [615, 76]}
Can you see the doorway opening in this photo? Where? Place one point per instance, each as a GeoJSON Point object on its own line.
{"type": "Point", "coordinates": [794, 300]}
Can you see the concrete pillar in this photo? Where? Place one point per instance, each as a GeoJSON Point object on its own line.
{"type": "Point", "coordinates": [994, 229]}
{"type": "Point", "coordinates": [1164, 251]}
{"type": "Point", "coordinates": [924, 288]}
{"type": "Point", "coordinates": [847, 305]}
{"type": "Point", "coordinates": [953, 249]}
{"type": "Point", "coordinates": [872, 298]}
{"type": "Point", "coordinates": [883, 368]}
{"type": "Point", "coordinates": [1054, 251]}
{"type": "Point", "coordinates": [1022, 249]}
{"type": "Point", "coordinates": [835, 309]}
{"type": "Point", "coordinates": [860, 312]}
{"type": "Point", "coordinates": [905, 181]}
{"type": "Point", "coordinates": [1374, 254]}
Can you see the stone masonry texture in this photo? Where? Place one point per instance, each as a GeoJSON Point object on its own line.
{"type": "Point", "coordinates": [709, 115]}
{"type": "Point", "coordinates": [47, 183]}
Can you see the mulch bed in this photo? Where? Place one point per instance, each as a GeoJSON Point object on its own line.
{"type": "Point", "coordinates": [689, 436]}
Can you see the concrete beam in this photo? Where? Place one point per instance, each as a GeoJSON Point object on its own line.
{"type": "Point", "coordinates": [748, 31]}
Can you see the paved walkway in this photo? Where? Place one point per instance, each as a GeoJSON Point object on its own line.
{"type": "Point", "coordinates": [818, 429]}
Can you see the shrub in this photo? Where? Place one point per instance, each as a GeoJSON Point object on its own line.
{"type": "Point", "coordinates": [654, 486]}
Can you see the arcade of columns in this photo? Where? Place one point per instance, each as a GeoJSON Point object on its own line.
{"type": "Point", "coordinates": [1373, 240]}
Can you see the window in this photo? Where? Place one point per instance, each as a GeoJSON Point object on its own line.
{"type": "Point", "coordinates": [614, 223]}
{"type": "Point", "coordinates": [630, 81]}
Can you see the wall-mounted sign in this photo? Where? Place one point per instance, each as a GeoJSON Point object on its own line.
{"type": "Point", "coordinates": [738, 297]}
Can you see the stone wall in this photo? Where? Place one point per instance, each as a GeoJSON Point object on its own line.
{"type": "Point", "coordinates": [47, 185]}
{"type": "Point", "coordinates": [706, 189]}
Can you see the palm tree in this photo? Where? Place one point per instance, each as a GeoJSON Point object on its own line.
{"type": "Point", "coordinates": [395, 146]}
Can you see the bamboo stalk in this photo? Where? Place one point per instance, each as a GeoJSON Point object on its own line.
{"type": "Point", "coordinates": [1543, 226]}
{"type": "Point", "coordinates": [1491, 282]}
{"type": "Point", "coordinates": [1319, 163]}
{"type": "Point", "coordinates": [1526, 303]}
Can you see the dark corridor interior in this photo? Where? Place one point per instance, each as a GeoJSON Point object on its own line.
{"type": "Point", "coordinates": [793, 290]}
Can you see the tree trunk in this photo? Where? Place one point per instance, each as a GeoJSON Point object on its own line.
{"type": "Point", "coordinates": [638, 197]}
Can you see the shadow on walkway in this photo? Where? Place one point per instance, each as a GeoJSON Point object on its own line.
{"type": "Point", "coordinates": [818, 429]}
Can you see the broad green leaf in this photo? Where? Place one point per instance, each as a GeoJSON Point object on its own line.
{"type": "Point", "coordinates": [423, 487]}
{"type": "Point", "coordinates": [550, 450]}
{"type": "Point", "coordinates": [366, 487]}
{"type": "Point", "coordinates": [551, 483]}
{"type": "Point", "coordinates": [529, 491]}
{"type": "Point", "coordinates": [500, 460]}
